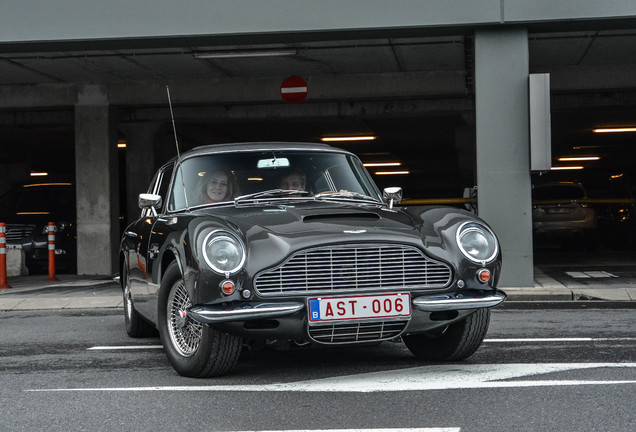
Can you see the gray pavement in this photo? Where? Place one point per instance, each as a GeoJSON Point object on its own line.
{"type": "Point", "coordinates": [91, 292]}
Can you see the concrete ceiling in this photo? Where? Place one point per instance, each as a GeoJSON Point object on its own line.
{"type": "Point", "coordinates": [548, 51]}
{"type": "Point", "coordinates": [593, 73]}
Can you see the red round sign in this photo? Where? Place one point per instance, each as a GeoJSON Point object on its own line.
{"type": "Point", "coordinates": [293, 90]}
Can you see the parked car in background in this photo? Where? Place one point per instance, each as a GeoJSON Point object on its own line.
{"type": "Point", "coordinates": [560, 214]}
{"type": "Point", "coordinates": [28, 209]}
{"type": "Point", "coordinates": [612, 197]}
{"type": "Point", "coordinates": [246, 243]}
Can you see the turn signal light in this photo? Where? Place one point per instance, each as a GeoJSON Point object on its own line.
{"type": "Point", "coordinates": [228, 287]}
{"type": "Point", "coordinates": [483, 275]}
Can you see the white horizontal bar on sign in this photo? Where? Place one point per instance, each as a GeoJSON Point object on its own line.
{"type": "Point", "coordinates": [286, 90]}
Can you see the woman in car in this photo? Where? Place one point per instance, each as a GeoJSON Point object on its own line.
{"type": "Point", "coordinates": [216, 186]}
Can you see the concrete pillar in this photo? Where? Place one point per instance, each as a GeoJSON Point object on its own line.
{"type": "Point", "coordinates": [140, 162]}
{"type": "Point", "coordinates": [503, 155]}
{"type": "Point", "coordinates": [97, 183]}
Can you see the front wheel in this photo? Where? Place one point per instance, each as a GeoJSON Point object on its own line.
{"type": "Point", "coordinates": [457, 341]}
{"type": "Point", "coordinates": [194, 349]}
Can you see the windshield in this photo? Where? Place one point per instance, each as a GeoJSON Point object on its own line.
{"type": "Point", "coordinates": [221, 178]}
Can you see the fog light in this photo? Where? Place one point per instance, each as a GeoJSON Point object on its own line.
{"type": "Point", "coordinates": [227, 287]}
{"type": "Point", "coordinates": [483, 275]}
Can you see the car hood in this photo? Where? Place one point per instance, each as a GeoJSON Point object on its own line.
{"type": "Point", "coordinates": [274, 231]}
{"type": "Point", "coordinates": [317, 218]}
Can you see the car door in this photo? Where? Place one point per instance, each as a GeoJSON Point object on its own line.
{"type": "Point", "coordinates": [138, 237]}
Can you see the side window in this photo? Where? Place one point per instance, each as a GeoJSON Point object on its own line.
{"type": "Point", "coordinates": [164, 182]}
{"type": "Point", "coordinates": [160, 187]}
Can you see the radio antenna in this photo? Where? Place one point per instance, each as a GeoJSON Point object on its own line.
{"type": "Point", "coordinates": [176, 142]}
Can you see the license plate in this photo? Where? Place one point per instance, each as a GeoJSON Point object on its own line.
{"type": "Point", "coordinates": [558, 210]}
{"type": "Point", "coordinates": [325, 309]}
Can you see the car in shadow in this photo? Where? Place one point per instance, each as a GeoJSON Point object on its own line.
{"type": "Point", "coordinates": [560, 214]}
{"type": "Point", "coordinates": [27, 210]}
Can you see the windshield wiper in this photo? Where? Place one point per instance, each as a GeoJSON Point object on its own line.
{"type": "Point", "coordinates": [346, 195]}
{"type": "Point", "coordinates": [272, 193]}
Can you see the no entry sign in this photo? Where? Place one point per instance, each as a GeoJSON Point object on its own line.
{"type": "Point", "coordinates": [293, 90]}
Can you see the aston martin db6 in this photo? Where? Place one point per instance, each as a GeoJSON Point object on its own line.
{"type": "Point", "coordinates": [241, 244]}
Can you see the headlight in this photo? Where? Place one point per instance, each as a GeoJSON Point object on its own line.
{"type": "Point", "coordinates": [58, 227]}
{"type": "Point", "coordinates": [223, 252]}
{"type": "Point", "coordinates": [477, 242]}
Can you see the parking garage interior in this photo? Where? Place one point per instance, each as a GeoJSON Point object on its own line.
{"type": "Point", "coordinates": [411, 89]}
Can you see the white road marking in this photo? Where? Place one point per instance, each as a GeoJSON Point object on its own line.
{"type": "Point", "coordinates": [436, 377]}
{"type": "Point", "coordinates": [124, 347]}
{"type": "Point", "coordinates": [493, 340]}
{"type": "Point", "coordinates": [590, 274]}
{"type": "Point", "coordinates": [580, 339]}
{"type": "Point", "coordinates": [451, 429]}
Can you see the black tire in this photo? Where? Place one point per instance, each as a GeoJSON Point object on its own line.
{"type": "Point", "coordinates": [457, 341]}
{"type": "Point", "coordinates": [136, 325]}
{"type": "Point", "coordinates": [194, 349]}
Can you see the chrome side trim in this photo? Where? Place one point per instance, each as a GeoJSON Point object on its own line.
{"type": "Point", "coordinates": [462, 301]}
{"type": "Point", "coordinates": [243, 311]}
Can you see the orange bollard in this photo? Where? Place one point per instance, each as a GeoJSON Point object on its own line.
{"type": "Point", "coordinates": [3, 256]}
{"type": "Point", "coordinates": [52, 277]}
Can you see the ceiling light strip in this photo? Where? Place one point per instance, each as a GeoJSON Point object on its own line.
{"type": "Point", "coordinates": [348, 138]}
{"type": "Point", "coordinates": [614, 130]}
{"type": "Point", "coordinates": [564, 168]}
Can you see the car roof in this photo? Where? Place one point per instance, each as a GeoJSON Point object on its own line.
{"type": "Point", "coordinates": [559, 184]}
{"type": "Point", "coordinates": [256, 146]}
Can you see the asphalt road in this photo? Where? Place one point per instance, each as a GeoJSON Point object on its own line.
{"type": "Point", "coordinates": [538, 370]}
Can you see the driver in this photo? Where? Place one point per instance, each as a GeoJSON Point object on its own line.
{"type": "Point", "coordinates": [294, 180]}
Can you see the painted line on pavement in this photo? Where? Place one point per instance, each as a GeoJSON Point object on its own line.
{"type": "Point", "coordinates": [124, 347]}
{"type": "Point", "coordinates": [443, 429]}
{"type": "Point", "coordinates": [435, 377]}
{"type": "Point", "coordinates": [580, 339]}
{"type": "Point", "coordinates": [496, 340]}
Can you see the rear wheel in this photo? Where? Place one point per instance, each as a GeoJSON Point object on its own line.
{"type": "Point", "coordinates": [136, 326]}
{"type": "Point", "coordinates": [454, 342]}
{"type": "Point", "coordinates": [194, 349]}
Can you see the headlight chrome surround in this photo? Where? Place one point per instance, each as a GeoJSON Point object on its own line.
{"type": "Point", "coordinates": [477, 242]}
{"type": "Point", "coordinates": [223, 252]}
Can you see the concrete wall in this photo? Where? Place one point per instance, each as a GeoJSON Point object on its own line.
{"type": "Point", "coordinates": [64, 20]}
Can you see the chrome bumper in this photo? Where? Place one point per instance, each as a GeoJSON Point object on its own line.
{"type": "Point", "coordinates": [257, 310]}
{"type": "Point", "coordinates": [243, 312]}
{"type": "Point", "coordinates": [455, 301]}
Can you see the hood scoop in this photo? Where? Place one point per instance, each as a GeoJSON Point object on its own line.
{"type": "Point", "coordinates": [341, 216]}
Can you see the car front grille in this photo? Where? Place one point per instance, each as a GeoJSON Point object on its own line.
{"type": "Point", "coordinates": [357, 332]}
{"type": "Point", "coordinates": [353, 268]}
{"type": "Point", "coordinates": [16, 233]}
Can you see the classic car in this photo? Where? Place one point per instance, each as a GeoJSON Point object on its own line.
{"type": "Point", "coordinates": [245, 243]}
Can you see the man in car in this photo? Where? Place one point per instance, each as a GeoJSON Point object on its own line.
{"type": "Point", "coordinates": [294, 180]}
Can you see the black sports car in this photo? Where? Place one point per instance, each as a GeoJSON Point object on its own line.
{"type": "Point", "coordinates": [251, 242]}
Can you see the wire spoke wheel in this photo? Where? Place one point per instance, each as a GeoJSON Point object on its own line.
{"type": "Point", "coordinates": [185, 333]}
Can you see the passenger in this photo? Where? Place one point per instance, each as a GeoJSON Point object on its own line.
{"type": "Point", "coordinates": [294, 180]}
{"type": "Point", "coordinates": [216, 186]}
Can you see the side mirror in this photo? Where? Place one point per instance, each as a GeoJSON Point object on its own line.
{"type": "Point", "coordinates": [150, 201]}
{"type": "Point", "coordinates": [392, 195]}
